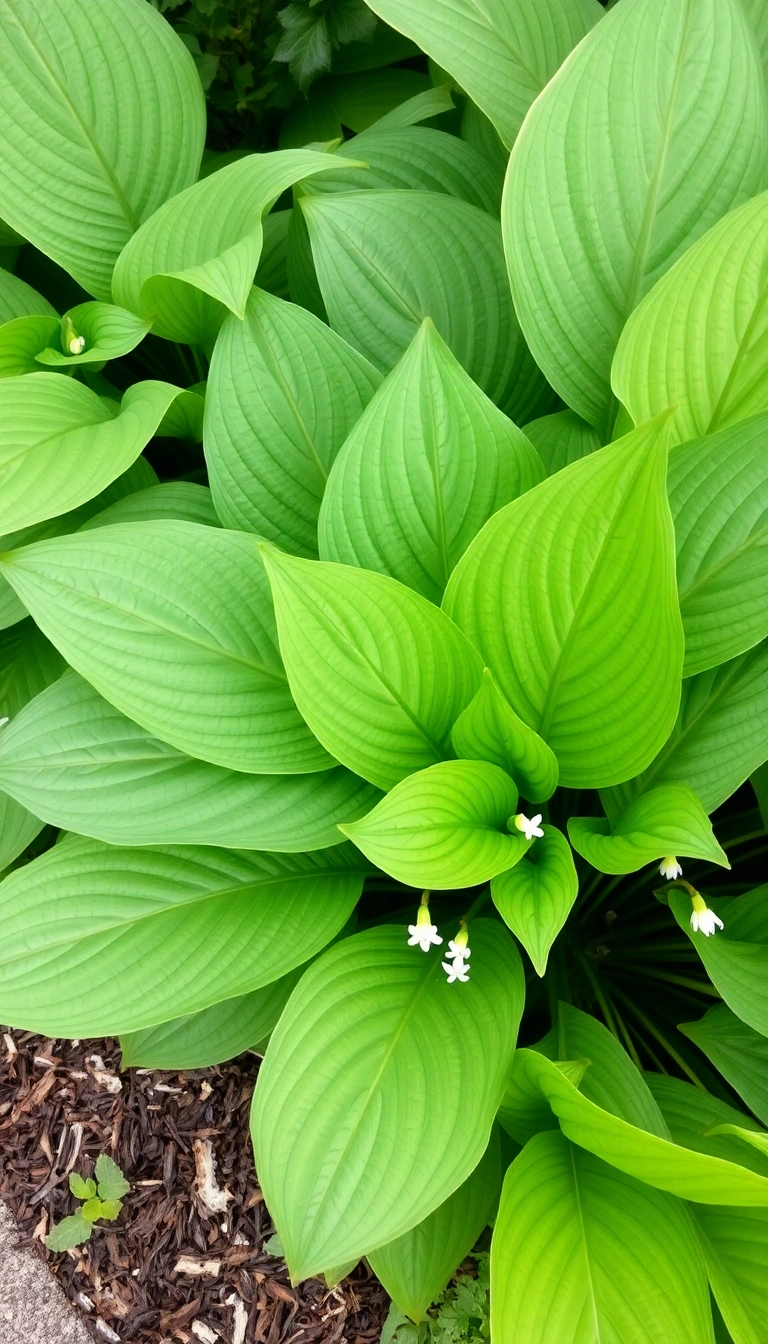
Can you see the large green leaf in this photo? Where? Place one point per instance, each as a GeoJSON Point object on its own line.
{"type": "Point", "coordinates": [377, 671]}
{"type": "Point", "coordinates": [694, 1116]}
{"type": "Point", "coordinates": [757, 15]}
{"type": "Point", "coordinates": [22, 340]}
{"type": "Point", "coordinates": [28, 663]}
{"type": "Point", "coordinates": [214, 1034]}
{"type": "Point", "coordinates": [718, 493]}
{"type": "Point", "coordinates": [387, 259]}
{"type": "Point", "coordinates": [108, 333]}
{"type": "Point", "coordinates": [582, 568]}
{"type": "Point", "coordinates": [734, 1243]}
{"type": "Point", "coordinates": [18, 299]}
{"type": "Point", "coordinates": [759, 781]}
{"type": "Point", "coordinates": [490, 730]}
{"type": "Point", "coordinates": [60, 444]}
{"type": "Point", "coordinates": [283, 393]}
{"type": "Point", "coordinates": [99, 940]}
{"type": "Point", "coordinates": [378, 1090]}
{"type": "Point", "coordinates": [738, 1051]}
{"type": "Point", "coordinates": [196, 258]}
{"type": "Point", "coordinates": [102, 118]}
{"type": "Point", "coordinates": [415, 1268]}
{"type": "Point", "coordinates": [698, 340]}
{"type": "Point", "coordinates": [736, 960]}
{"type": "Point", "coordinates": [719, 738]}
{"type": "Point", "coordinates": [502, 54]}
{"type": "Point", "coordinates": [535, 897]}
{"type": "Point", "coordinates": [444, 827]}
{"type": "Point", "coordinates": [80, 764]}
{"type": "Point", "coordinates": [562, 438]}
{"type": "Point", "coordinates": [170, 499]}
{"type": "Point", "coordinates": [669, 819]}
{"type": "Point", "coordinates": [659, 121]}
{"type": "Point", "coordinates": [582, 1253]}
{"type": "Point", "coordinates": [173, 623]}
{"type": "Point", "coordinates": [427, 464]}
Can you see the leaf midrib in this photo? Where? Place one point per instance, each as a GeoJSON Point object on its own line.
{"type": "Point", "coordinates": [584, 1241]}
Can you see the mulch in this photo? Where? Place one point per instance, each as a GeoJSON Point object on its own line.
{"type": "Point", "coordinates": [61, 1106]}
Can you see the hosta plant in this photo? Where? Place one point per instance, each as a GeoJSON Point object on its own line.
{"type": "Point", "coordinates": [384, 612]}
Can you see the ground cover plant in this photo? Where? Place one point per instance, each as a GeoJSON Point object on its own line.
{"type": "Point", "coordinates": [380, 640]}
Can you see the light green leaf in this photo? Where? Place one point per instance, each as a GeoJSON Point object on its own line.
{"type": "Point", "coordinates": [734, 1243]}
{"type": "Point", "coordinates": [664, 821]}
{"type": "Point", "coordinates": [108, 333]}
{"type": "Point", "coordinates": [109, 1209]}
{"type": "Point", "coordinates": [562, 438]}
{"type": "Point", "coordinates": [28, 663]}
{"type": "Point", "coordinates": [718, 493]}
{"type": "Point", "coordinates": [172, 499]}
{"type": "Point", "coordinates": [189, 646]}
{"type": "Point", "coordinates": [660, 117]}
{"type": "Point", "coordinates": [377, 671]}
{"type": "Point", "coordinates": [72, 1231]}
{"type": "Point", "coordinates": [213, 1035]}
{"type": "Point", "coordinates": [283, 393]}
{"type": "Point", "coordinates": [443, 827]}
{"type": "Point", "coordinates": [720, 736]}
{"type": "Point", "coordinates": [649, 1158]}
{"type": "Point", "coordinates": [18, 299]}
{"type": "Point", "coordinates": [387, 259]}
{"type": "Point", "coordinates": [502, 55]}
{"type": "Point", "coordinates": [60, 445]}
{"type": "Point", "coordinates": [693, 1115]}
{"type": "Point", "coordinates": [698, 340]}
{"type": "Point", "coordinates": [102, 118]}
{"type": "Point", "coordinates": [378, 1090]}
{"type": "Point", "coordinates": [756, 1138]}
{"type": "Point", "coordinates": [736, 959]}
{"type": "Point", "coordinates": [757, 15]}
{"type": "Point", "coordinates": [415, 1268]}
{"type": "Point", "coordinates": [582, 568]}
{"type": "Point", "coordinates": [197, 256]}
{"type": "Point", "coordinates": [91, 1210]}
{"type": "Point", "coordinates": [739, 1052]}
{"type": "Point", "coordinates": [79, 763]}
{"type": "Point", "coordinates": [427, 464]}
{"type": "Point", "coordinates": [100, 940]}
{"type": "Point", "coordinates": [81, 1189]}
{"type": "Point", "coordinates": [534, 898]}
{"type": "Point", "coordinates": [582, 1253]}
{"type": "Point", "coordinates": [22, 340]}
{"type": "Point", "coordinates": [111, 1181]}
{"type": "Point", "coordinates": [490, 730]}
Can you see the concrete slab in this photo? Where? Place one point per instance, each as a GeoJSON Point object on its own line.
{"type": "Point", "coordinates": [33, 1309]}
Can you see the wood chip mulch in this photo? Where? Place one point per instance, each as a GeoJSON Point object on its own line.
{"type": "Point", "coordinates": [169, 1269]}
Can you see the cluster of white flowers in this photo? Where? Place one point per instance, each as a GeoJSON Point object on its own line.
{"type": "Point", "coordinates": [424, 934]}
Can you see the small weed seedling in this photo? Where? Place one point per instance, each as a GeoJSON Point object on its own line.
{"type": "Point", "coordinates": [102, 1198]}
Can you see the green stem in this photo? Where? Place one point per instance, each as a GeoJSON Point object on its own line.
{"type": "Point", "coordinates": [479, 904]}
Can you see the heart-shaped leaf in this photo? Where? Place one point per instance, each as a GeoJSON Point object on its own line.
{"type": "Point", "coordinates": [535, 897]}
{"type": "Point", "coordinates": [18, 299]}
{"type": "Point", "coordinates": [490, 730]}
{"type": "Point", "coordinates": [107, 333]}
{"type": "Point", "coordinates": [664, 821]}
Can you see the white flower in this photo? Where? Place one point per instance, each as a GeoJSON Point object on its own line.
{"type": "Point", "coordinates": [704, 920]}
{"type": "Point", "coordinates": [456, 970]}
{"type": "Point", "coordinates": [531, 828]}
{"type": "Point", "coordinates": [423, 932]}
{"type": "Point", "coordinates": [458, 949]}
{"type": "Point", "coordinates": [670, 868]}
{"type": "Point", "coordinates": [76, 345]}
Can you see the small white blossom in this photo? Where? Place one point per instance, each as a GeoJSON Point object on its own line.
{"type": "Point", "coordinates": [704, 920]}
{"type": "Point", "coordinates": [456, 970]}
{"type": "Point", "coordinates": [531, 828]}
{"type": "Point", "coordinates": [457, 949]}
{"type": "Point", "coordinates": [76, 345]}
{"type": "Point", "coordinates": [423, 933]}
{"type": "Point", "coordinates": [670, 868]}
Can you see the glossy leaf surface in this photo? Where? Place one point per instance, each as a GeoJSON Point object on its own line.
{"type": "Point", "coordinates": [490, 730]}
{"type": "Point", "coordinates": [666, 820]}
{"type": "Point", "coordinates": [535, 897]}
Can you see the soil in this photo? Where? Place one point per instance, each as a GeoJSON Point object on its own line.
{"type": "Point", "coordinates": [169, 1269]}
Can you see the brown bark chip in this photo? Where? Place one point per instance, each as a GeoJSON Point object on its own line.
{"type": "Point", "coordinates": [185, 1261]}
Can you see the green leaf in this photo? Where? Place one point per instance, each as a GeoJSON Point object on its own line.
{"type": "Point", "coordinates": [107, 778]}
{"type": "Point", "coordinates": [81, 1189]}
{"type": "Point", "coordinates": [378, 1090]}
{"type": "Point", "coordinates": [112, 1183]}
{"type": "Point", "coordinates": [490, 730]}
{"type": "Point", "coordinates": [102, 118]}
{"type": "Point", "coordinates": [28, 663]}
{"type": "Point", "coordinates": [581, 1252]}
{"type": "Point", "coordinates": [100, 940]}
{"type": "Point", "coordinates": [18, 299]}
{"type": "Point", "coordinates": [189, 648]}
{"type": "Point", "coordinates": [72, 1231]}
{"type": "Point", "coordinates": [562, 438]}
{"type": "Point", "coordinates": [757, 16]}
{"type": "Point", "coordinates": [693, 1114]}
{"type": "Point", "coordinates": [502, 55]}
{"type": "Point", "coordinates": [736, 960]}
{"type": "Point", "coordinates": [172, 499]}
{"type": "Point", "coordinates": [739, 1052]}
{"type": "Point", "coordinates": [416, 1267]}
{"type": "Point", "coordinates": [698, 340]}
{"type": "Point", "coordinates": [583, 569]}
{"type": "Point", "coordinates": [213, 1035]}
{"type": "Point", "coordinates": [734, 1243]}
{"type": "Point", "coordinates": [108, 333]}
{"type": "Point", "coordinates": [197, 256]}
{"type": "Point", "coordinates": [22, 340]}
{"type": "Point", "coordinates": [443, 827]}
{"type": "Point", "coordinates": [91, 1210]}
{"type": "Point", "coordinates": [283, 393]}
{"type": "Point", "coordinates": [648, 1157]}
{"type": "Point", "coordinates": [110, 1209]}
{"type": "Point", "coordinates": [664, 821]}
{"type": "Point", "coordinates": [60, 445]}
{"type": "Point", "coordinates": [718, 493]}
{"type": "Point", "coordinates": [387, 259]}
{"type": "Point", "coordinates": [719, 737]}
{"type": "Point", "coordinates": [759, 781]}
{"type": "Point", "coordinates": [535, 897]}
{"type": "Point", "coordinates": [660, 116]}
{"type": "Point", "coordinates": [427, 464]}
{"type": "Point", "coordinates": [382, 716]}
